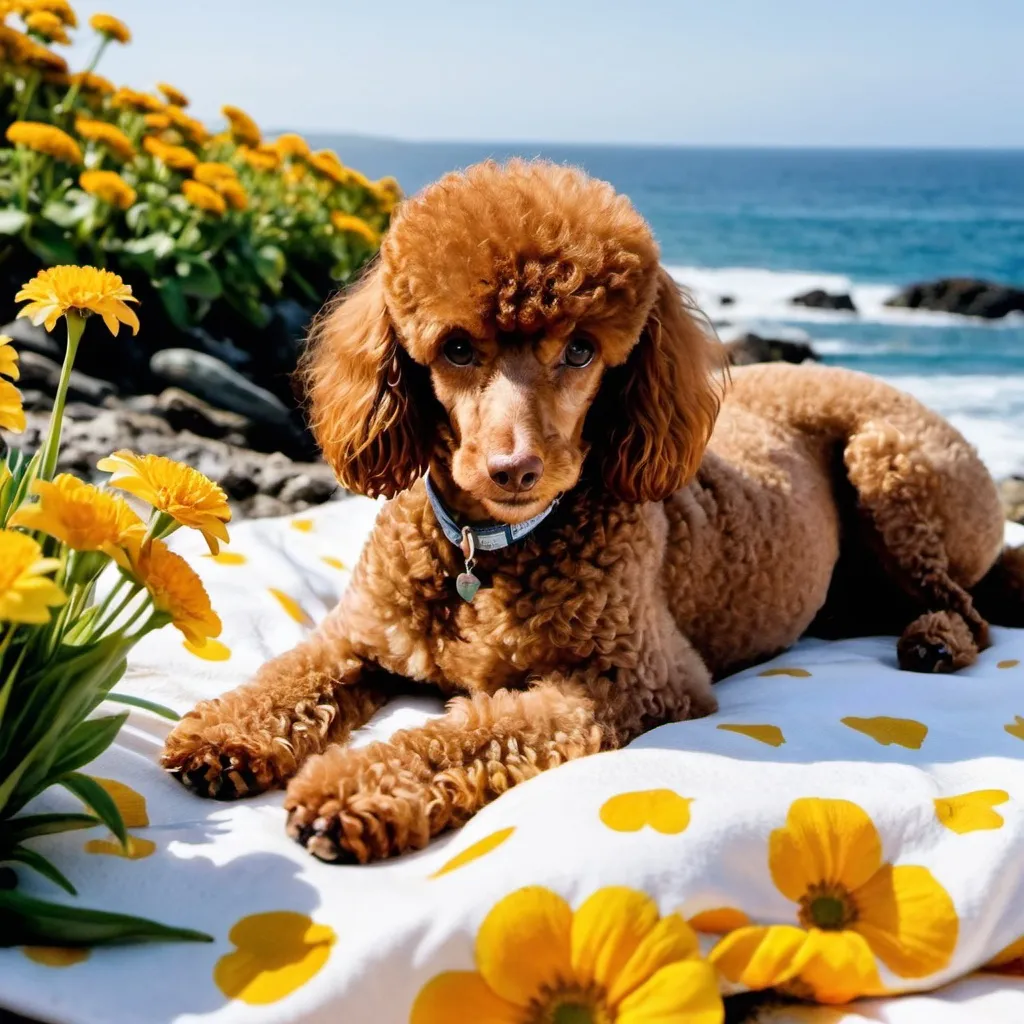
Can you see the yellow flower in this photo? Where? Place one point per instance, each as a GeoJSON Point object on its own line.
{"type": "Point", "coordinates": [1009, 960]}
{"type": "Point", "coordinates": [61, 8]}
{"type": "Point", "coordinates": [293, 175]}
{"type": "Point", "coordinates": [157, 122]}
{"type": "Point", "coordinates": [326, 163]}
{"type": "Point", "coordinates": [44, 138]}
{"type": "Point", "coordinates": [851, 907]}
{"type": "Point", "coordinates": [263, 158]}
{"type": "Point", "coordinates": [13, 44]}
{"type": "Point", "coordinates": [175, 96]}
{"type": "Point", "coordinates": [204, 198]}
{"type": "Point", "coordinates": [188, 126]}
{"type": "Point", "coordinates": [111, 27]}
{"type": "Point", "coordinates": [47, 25]}
{"type": "Point", "coordinates": [387, 193]}
{"type": "Point", "coordinates": [177, 157]}
{"type": "Point", "coordinates": [26, 594]}
{"type": "Point", "coordinates": [179, 490]}
{"type": "Point", "coordinates": [352, 225]}
{"type": "Point", "coordinates": [129, 99]}
{"type": "Point", "coordinates": [33, 55]}
{"type": "Point", "coordinates": [81, 516]}
{"type": "Point", "coordinates": [176, 590]}
{"type": "Point", "coordinates": [108, 135]}
{"type": "Point", "coordinates": [12, 415]}
{"type": "Point", "coordinates": [83, 290]}
{"type": "Point", "coordinates": [612, 962]}
{"type": "Point", "coordinates": [243, 128]}
{"type": "Point", "coordinates": [8, 358]}
{"type": "Point", "coordinates": [291, 145]}
{"type": "Point", "coordinates": [232, 191]}
{"type": "Point", "coordinates": [109, 187]}
{"type": "Point", "coordinates": [211, 173]}
{"type": "Point", "coordinates": [89, 81]}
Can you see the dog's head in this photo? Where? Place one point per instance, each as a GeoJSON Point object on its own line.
{"type": "Point", "coordinates": [516, 325]}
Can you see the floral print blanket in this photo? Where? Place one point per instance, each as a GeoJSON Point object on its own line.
{"type": "Point", "coordinates": [838, 831]}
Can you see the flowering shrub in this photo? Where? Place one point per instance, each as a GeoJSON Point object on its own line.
{"type": "Point", "coordinates": [64, 640]}
{"type": "Point", "coordinates": [129, 180]}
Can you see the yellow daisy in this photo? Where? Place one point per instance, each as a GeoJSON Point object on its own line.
{"type": "Point", "coordinates": [12, 414]}
{"type": "Point", "coordinates": [234, 193]}
{"type": "Point", "coordinates": [157, 122]}
{"type": "Point", "coordinates": [26, 593]}
{"type": "Point", "coordinates": [48, 26]}
{"type": "Point", "coordinates": [8, 358]}
{"type": "Point", "coordinates": [129, 99]}
{"type": "Point", "coordinates": [34, 55]}
{"type": "Point", "coordinates": [108, 186]}
{"type": "Point", "coordinates": [81, 516]}
{"type": "Point", "coordinates": [180, 491]}
{"type": "Point", "coordinates": [387, 193]}
{"type": "Point", "coordinates": [82, 290]}
{"type": "Point", "coordinates": [613, 961]}
{"type": "Point", "coordinates": [326, 163]}
{"type": "Point", "coordinates": [108, 135]}
{"type": "Point", "coordinates": [111, 27]}
{"type": "Point", "coordinates": [352, 225]}
{"type": "Point", "coordinates": [242, 127]}
{"type": "Point", "coordinates": [190, 127]}
{"type": "Point", "coordinates": [90, 82]}
{"type": "Point", "coordinates": [213, 172]}
{"type": "Point", "coordinates": [204, 198]}
{"type": "Point", "coordinates": [61, 8]}
{"type": "Point", "coordinates": [262, 158]}
{"type": "Point", "coordinates": [44, 138]}
{"type": "Point", "coordinates": [291, 145]}
{"type": "Point", "coordinates": [176, 157]}
{"type": "Point", "coordinates": [851, 907]}
{"type": "Point", "coordinates": [175, 96]}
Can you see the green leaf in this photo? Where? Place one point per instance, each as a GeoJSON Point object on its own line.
{"type": "Point", "coordinates": [174, 303]}
{"type": "Point", "coordinates": [197, 277]}
{"type": "Point", "coordinates": [90, 792]}
{"type": "Point", "coordinates": [86, 742]}
{"type": "Point", "coordinates": [66, 215]}
{"type": "Point", "coordinates": [19, 829]}
{"type": "Point", "coordinates": [135, 214]}
{"type": "Point", "coordinates": [12, 221]}
{"type": "Point", "coordinates": [159, 243]}
{"type": "Point", "coordinates": [49, 243]}
{"type": "Point", "coordinates": [32, 922]}
{"type": "Point", "coordinates": [38, 863]}
{"type": "Point", "coordinates": [146, 705]}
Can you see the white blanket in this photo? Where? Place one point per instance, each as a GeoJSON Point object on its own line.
{"type": "Point", "coordinates": [685, 815]}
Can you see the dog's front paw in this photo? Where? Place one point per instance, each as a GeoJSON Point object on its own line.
{"type": "Point", "coordinates": [936, 642]}
{"type": "Point", "coordinates": [214, 756]}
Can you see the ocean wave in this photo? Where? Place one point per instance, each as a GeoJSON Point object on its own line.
{"type": "Point", "coordinates": [764, 298]}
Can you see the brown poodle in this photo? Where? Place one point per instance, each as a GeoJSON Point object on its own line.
{"type": "Point", "coordinates": [518, 338]}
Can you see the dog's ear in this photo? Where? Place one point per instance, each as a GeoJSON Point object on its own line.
{"type": "Point", "coordinates": [362, 389]}
{"type": "Point", "coordinates": [657, 410]}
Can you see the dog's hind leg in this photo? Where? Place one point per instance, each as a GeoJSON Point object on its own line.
{"type": "Point", "coordinates": [905, 504]}
{"type": "Point", "coordinates": [1000, 594]}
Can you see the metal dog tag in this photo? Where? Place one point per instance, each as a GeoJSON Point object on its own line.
{"type": "Point", "coordinates": [467, 585]}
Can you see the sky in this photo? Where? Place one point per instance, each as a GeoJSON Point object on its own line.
{"type": "Point", "coordinates": [946, 73]}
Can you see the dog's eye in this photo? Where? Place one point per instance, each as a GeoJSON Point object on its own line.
{"type": "Point", "coordinates": [458, 350]}
{"type": "Point", "coordinates": [578, 353]}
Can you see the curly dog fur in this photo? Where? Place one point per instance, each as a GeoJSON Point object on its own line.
{"type": "Point", "coordinates": [824, 500]}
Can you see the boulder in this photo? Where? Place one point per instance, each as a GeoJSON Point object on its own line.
{"type": "Point", "coordinates": [29, 338]}
{"type": "Point", "coordinates": [818, 298]}
{"type": "Point", "coordinates": [752, 348]}
{"type": "Point", "coordinates": [964, 295]}
{"type": "Point", "coordinates": [1011, 493]}
{"type": "Point", "coordinates": [41, 373]}
{"type": "Point", "coordinates": [186, 412]}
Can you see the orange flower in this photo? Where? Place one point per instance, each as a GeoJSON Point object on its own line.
{"type": "Point", "coordinates": [177, 157]}
{"type": "Point", "coordinates": [109, 187]}
{"type": "Point", "coordinates": [111, 27]}
{"type": "Point", "coordinates": [291, 145]}
{"type": "Point", "coordinates": [48, 26]}
{"type": "Point", "coordinates": [243, 128]}
{"type": "Point", "coordinates": [44, 138]}
{"type": "Point", "coordinates": [175, 96]}
{"type": "Point", "coordinates": [129, 99]}
{"type": "Point", "coordinates": [202, 197]}
{"type": "Point", "coordinates": [212, 172]}
{"type": "Point", "coordinates": [108, 135]}
{"type": "Point", "coordinates": [263, 158]}
{"type": "Point", "coordinates": [89, 81]}
{"type": "Point", "coordinates": [351, 225]}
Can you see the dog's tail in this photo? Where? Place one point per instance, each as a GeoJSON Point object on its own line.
{"type": "Point", "coordinates": [999, 596]}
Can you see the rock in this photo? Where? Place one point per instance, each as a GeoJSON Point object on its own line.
{"type": "Point", "coordinates": [211, 379]}
{"type": "Point", "coordinates": [727, 300]}
{"type": "Point", "coordinates": [262, 506]}
{"type": "Point", "coordinates": [315, 485]}
{"type": "Point", "coordinates": [1011, 493]}
{"type": "Point", "coordinates": [29, 338]}
{"type": "Point", "coordinates": [42, 373]}
{"type": "Point", "coordinates": [752, 348]}
{"type": "Point", "coordinates": [186, 412]}
{"type": "Point", "coordinates": [818, 298]}
{"type": "Point", "coordinates": [36, 401]}
{"type": "Point", "coordinates": [224, 350]}
{"type": "Point", "coordinates": [964, 295]}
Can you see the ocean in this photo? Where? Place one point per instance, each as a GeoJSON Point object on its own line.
{"type": "Point", "coordinates": [761, 226]}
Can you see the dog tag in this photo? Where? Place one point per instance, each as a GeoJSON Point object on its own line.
{"type": "Point", "coordinates": [467, 585]}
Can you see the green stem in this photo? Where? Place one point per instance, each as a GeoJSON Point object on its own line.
{"type": "Point", "coordinates": [51, 449]}
{"type": "Point", "coordinates": [110, 618]}
{"type": "Point", "coordinates": [30, 90]}
{"type": "Point", "coordinates": [67, 105]}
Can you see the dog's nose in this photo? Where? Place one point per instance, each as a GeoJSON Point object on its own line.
{"type": "Point", "coordinates": [515, 472]}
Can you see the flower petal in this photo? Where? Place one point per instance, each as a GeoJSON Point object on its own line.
{"type": "Point", "coordinates": [908, 920]}
{"type": "Point", "coordinates": [606, 931]}
{"type": "Point", "coordinates": [823, 841]}
{"type": "Point", "coordinates": [461, 995]}
{"type": "Point", "coordinates": [669, 941]}
{"type": "Point", "coordinates": [524, 944]}
{"type": "Point", "coordinates": [685, 991]}
{"type": "Point", "coordinates": [760, 956]}
{"type": "Point", "coordinates": [838, 967]}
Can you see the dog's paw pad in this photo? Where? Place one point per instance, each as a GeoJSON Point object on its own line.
{"type": "Point", "coordinates": [927, 658]}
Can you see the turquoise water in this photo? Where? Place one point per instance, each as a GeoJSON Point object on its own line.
{"type": "Point", "coordinates": [760, 226]}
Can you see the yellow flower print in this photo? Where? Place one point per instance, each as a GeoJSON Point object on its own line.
{"type": "Point", "coordinates": [56, 956]}
{"type": "Point", "coordinates": [276, 953]}
{"type": "Point", "coordinates": [212, 650]}
{"type": "Point", "coordinates": [971, 812]}
{"type": "Point", "coordinates": [904, 732]}
{"type": "Point", "coordinates": [851, 908]}
{"type": "Point", "coordinates": [1009, 960]}
{"type": "Point", "coordinates": [292, 607]}
{"type": "Point", "coordinates": [613, 961]}
{"type": "Point", "coordinates": [797, 673]}
{"type": "Point", "coordinates": [663, 810]}
{"type": "Point", "coordinates": [769, 734]}
{"type": "Point", "coordinates": [474, 852]}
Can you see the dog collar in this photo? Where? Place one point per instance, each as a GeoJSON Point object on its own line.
{"type": "Point", "coordinates": [470, 539]}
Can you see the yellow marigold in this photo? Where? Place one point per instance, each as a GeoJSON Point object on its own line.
{"type": "Point", "coordinates": [111, 27]}
{"type": "Point", "coordinates": [157, 122]}
{"type": "Point", "coordinates": [263, 158]}
{"type": "Point", "coordinates": [190, 127]}
{"type": "Point", "coordinates": [358, 178]}
{"type": "Point", "coordinates": [48, 26]}
{"type": "Point", "coordinates": [81, 516]}
{"type": "Point", "coordinates": [204, 198]}
{"type": "Point", "coordinates": [243, 128]}
{"type": "Point", "coordinates": [108, 135]}
{"type": "Point", "coordinates": [42, 59]}
{"type": "Point", "coordinates": [8, 359]}
{"type": "Point", "coordinates": [293, 175]}
{"type": "Point", "coordinates": [61, 8]}
{"type": "Point", "coordinates": [387, 193]}
{"type": "Point", "coordinates": [175, 96]}
{"type": "Point", "coordinates": [13, 44]}
{"type": "Point", "coordinates": [291, 145]}
{"type": "Point", "coordinates": [614, 959]}
{"type": "Point", "coordinates": [57, 78]}
{"type": "Point", "coordinates": [353, 225]}
{"type": "Point", "coordinates": [108, 186]}
{"type": "Point", "coordinates": [180, 491]}
{"type": "Point", "coordinates": [233, 192]}
{"type": "Point", "coordinates": [177, 591]}
{"type": "Point", "coordinates": [90, 82]}
{"type": "Point", "coordinates": [83, 290]}
{"type": "Point", "coordinates": [12, 413]}
{"type": "Point", "coordinates": [26, 592]}
{"type": "Point", "coordinates": [130, 99]}
{"type": "Point", "coordinates": [327, 164]}
{"type": "Point", "coordinates": [44, 138]}
{"type": "Point", "coordinates": [212, 172]}
{"type": "Point", "coordinates": [177, 157]}
{"type": "Point", "coordinates": [851, 907]}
